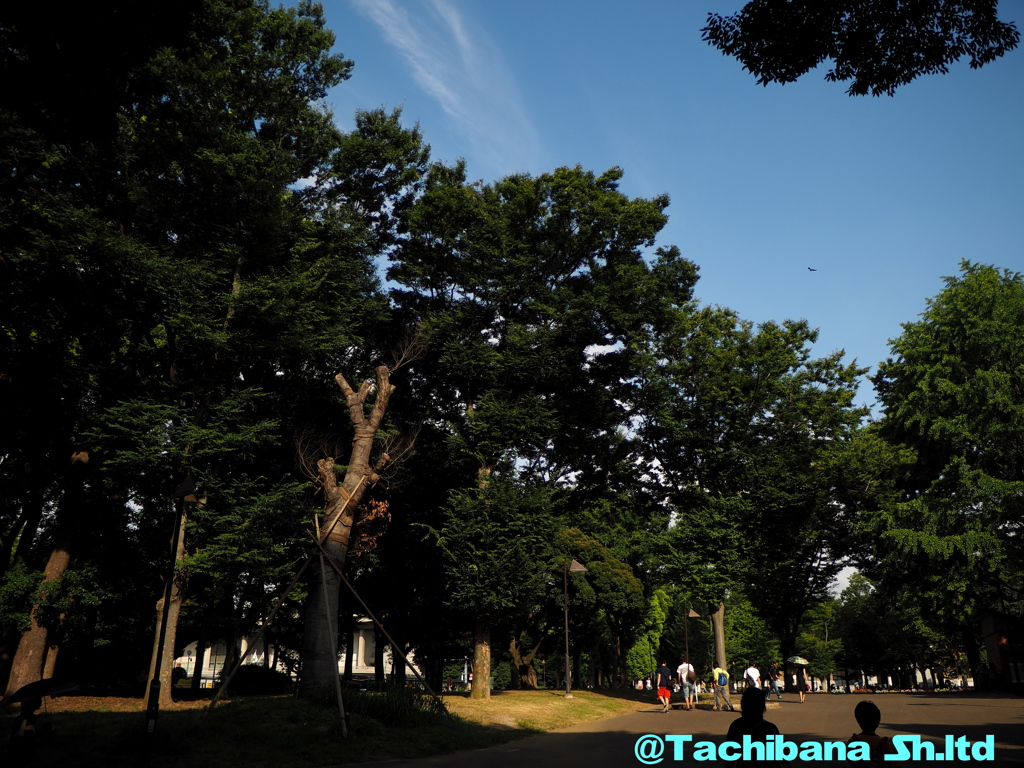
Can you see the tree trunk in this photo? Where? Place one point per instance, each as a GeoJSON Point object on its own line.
{"type": "Point", "coordinates": [31, 653]}
{"type": "Point", "coordinates": [481, 659]}
{"type": "Point", "coordinates": [167, 665]}
{"type": "Point", "coordinates": [620, 660]}
{"type": "Point", "coordinates": [318, 660]}
{"type": "Point", "coordinates": [398, 669]}
{"type": "Point", "coordinates": [515, 664]}
{"type": "Point", "coordinates": [594, 673]}
{"type": "Point", "coordinates": [970, 646]}
{"type": "Point", "coordinates": [523, 673]}
{"type": "Point", "coordinates": [231, 656]}
{"type": "Point", "coordinates": [50, 664]}
{"type": "Point", "coordinates": [530, 681]}
{"type": "Point", "coordinates": [173, 612]}
{"type": "Point", "coordinates": [350, 651]}
{"type": "Point", "coordinates": [8, 647]}
{"type": "Point", "coordinates": [319, 665]}
{"type": "Point", "coordinates": [156, 642]}
{"type": "Point", "coordinates": [434, 669]}
{"type": "Point", "coordinates": [379, 644]}
{"type": "Point", "coordinates": [27, 666]}
{"type": "Point", "coordinates": [197, 668]}
{"type": "Point", "coordinates": [718, 628]}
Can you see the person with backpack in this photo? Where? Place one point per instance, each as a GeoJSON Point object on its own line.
{"type": "Point", "coordinates": [721, 678]}
{"type": "Point", "coordinates": [687, 676]}
{"type": "Point", "coordinates": [752, 677]}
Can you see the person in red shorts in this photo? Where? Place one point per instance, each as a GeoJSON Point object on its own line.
{"type": "Point", "coordinates": [664, 676]}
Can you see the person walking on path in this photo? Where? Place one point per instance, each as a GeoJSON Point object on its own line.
{"type": "Point", "coordinates": [688, 680]}
{"type": "Point", "coordinates": [801, 683]}
{"type": "Point", "coordinates": [772, 682]}
{"type": "Point", "coordinates": [752, 677]}
{"type": "Point", "coordinates": [722, 690]}
{"type": "Point", "coordinates": [664, 682]}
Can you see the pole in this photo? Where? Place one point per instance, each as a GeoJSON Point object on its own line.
{"type": "Point", "coordinates": [686, 634]}
{"type": "Point", "coordinates": [567, 568]}
{"type": "Point", "coordinates": [565, 595]}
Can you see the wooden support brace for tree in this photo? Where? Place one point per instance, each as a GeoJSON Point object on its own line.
{"type": "Point", "coordinates": [323, 535]}
{"type": "Point", "coordinates": [394, 645]}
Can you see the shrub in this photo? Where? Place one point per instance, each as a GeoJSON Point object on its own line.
{"type": "Point", "coordinates": [395, 705]}
{"type": "Point", "coordinates": [255, 679]}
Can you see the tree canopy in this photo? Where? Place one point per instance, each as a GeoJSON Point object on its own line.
{"type": "Point", "coordinates": [741, 429]}
{"type": "Point", "coordinates": [875, 46]}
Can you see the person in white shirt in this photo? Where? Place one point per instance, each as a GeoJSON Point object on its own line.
{"type": "Point", "coordinates": [687, 678]}
{"type": "Point", "coordinates": [752, 677]}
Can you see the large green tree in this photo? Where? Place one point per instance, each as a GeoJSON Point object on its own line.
{"type": "Point", "coordinates": [952, 393]}
{"type": "Point", "coordinates": [214, 258]}
{"type": "Point", "coordinates": [887, 634]}
{"type": "Point", "coordinates": [613, 609]}
{"type": "Point", "coordinates": [63, 294]}
{"type": "Point", "coordinates": [496, 542]}
{"type": "Point", "coordinates": [741, 428]}
{"type": "Point", "coordinates": [255, 290]}
{"type": "Point", "coordinates": [530, 291]}
{"type": "Point", "coordinates": [372, 182]}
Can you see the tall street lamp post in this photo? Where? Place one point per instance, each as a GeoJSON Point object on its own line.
{"type": "Point", "coordinates": [568, 568]}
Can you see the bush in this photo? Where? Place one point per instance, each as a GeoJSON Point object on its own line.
{"type": "Point", "coordinates": [501, 675]}
{"type": "Point", "coordinates": [255, 679]}
{"type": "Point", "coordinates": [395, 705]}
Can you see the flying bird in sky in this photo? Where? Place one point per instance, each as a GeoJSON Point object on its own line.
{"type": "Point", "coordinates": [811, 269]}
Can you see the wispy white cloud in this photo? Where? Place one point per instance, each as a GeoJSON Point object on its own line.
{"type": "Point", "coordinates": [457, 64]}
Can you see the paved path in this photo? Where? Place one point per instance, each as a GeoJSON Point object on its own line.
{"type": "Point", "coordinates": [610, 742]}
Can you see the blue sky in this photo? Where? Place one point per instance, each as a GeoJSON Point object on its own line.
{"type": "Point", "coordinates": [882, 196]}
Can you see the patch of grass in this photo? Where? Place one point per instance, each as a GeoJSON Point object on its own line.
{"type": "Point", "coordinates": [261, 732]}
{"type": "Point", "coordinates": [541, 711]}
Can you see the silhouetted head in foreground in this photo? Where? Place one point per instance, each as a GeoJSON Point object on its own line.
{"type": "Point", "coordinates": [752, 703]}
{"type": "Point", "coordinates": [868, 716]}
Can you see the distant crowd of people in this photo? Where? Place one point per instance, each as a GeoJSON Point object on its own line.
{"type": "Point", "coordinates": [685, 679]}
